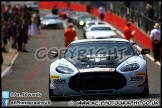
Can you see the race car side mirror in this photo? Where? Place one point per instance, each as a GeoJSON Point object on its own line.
{"type": "Point", "coordinates": [114, 30]}
{"type": "Point", "coordinates": [133, 43]}
{"type": "Point", "coordinates": [145, 51]}
{"type": "Point", "coordinates": [62, 52]}
{"type": "Point", "coordinates": [54, 53]}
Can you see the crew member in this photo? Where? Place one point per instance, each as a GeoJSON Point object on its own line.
{"type": "Point", "coordinates": [156, 37]}
{"type": "Point", "coordinates": [69, 35]}
{"type": "Point", "coordinates": [127, 32]}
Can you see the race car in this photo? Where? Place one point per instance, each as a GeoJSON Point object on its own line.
{"type": "Point", "coordinates": [64, 12]}
{"type": "Point", "coordinates": [94, 67]}
{"type": "Point", "coordinates": [88, 24]}
{"type": "Point", "coordinates": [33, 6]}
{"type": "Point", "coordinates": [100, 32]}
{"type": "Point", "coordinates": [51, 21]}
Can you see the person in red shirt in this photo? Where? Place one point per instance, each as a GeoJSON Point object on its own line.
{"type": "Point", "coordinates": [127, 32]}
{"type": "Point", "coordinates": [69, 35]}
{"type": "Point", "coordinates": [15, 10]}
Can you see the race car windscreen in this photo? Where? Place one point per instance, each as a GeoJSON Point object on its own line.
{"type": "Point", "coordinates": [98, 23]}
{"type": "Point", "coordinates": [32, 3]}
{"type": "Point", "coordinates": [52, 17]}
{"type": "Point", "coordinates": [100, 29]}
{"type": "Point", "coordinates": [95, 48]}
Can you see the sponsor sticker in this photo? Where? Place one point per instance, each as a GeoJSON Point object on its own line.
{"type": "Point", "coordinates": [55, 76]}
{"type": "Point", "coordinates": [59, 81]}
{"type": "Point", "coordinates": [111, 69]}
{"type": "Point", "coordinates": [136, 78]}
{"type": "Point", "coordinates": [97, 59]}
{"type": "Point", "coordinates": [140, 74]}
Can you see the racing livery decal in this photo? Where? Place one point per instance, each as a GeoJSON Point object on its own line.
{"type": "Point", "coordinates": [59, 81]}
{"type": "Point", "coordinates": [137, 78]}
{"type": "Point", "coordinates": [140, 74]}
{"type": "Point", "coordinates": [55, 76]}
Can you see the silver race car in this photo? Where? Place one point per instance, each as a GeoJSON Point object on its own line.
{"type": "Point", "coordinates": [51, 21]}
{"type": "Point", "coordinates": [99, 67]}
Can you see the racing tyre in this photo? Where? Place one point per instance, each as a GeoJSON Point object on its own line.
{"type": "Point", "coordinates": [84, 36]}
{"type": "Point", "coordinates": [50, 91]}
{"type": "Point", "coordinates": [61, 27]}
{"type": "Point", "coordinates": [146, 90]}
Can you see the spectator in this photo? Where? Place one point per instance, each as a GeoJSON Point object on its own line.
{"type": "Point", "coordinates": [15, 10]}
{"type": "Point", "coordinates": [1, 59]}
{"type": "Point", "coordinates": [55, 10]}
{"type": "Point", "coordinates": [102, 12]}
{"type": "Point", "coordinates": [150, 12]}
{"type": "Point", "coordinates": [33, 27]}
{"type": "Point", "coordinates": [25, 36]}
{"type": "Point", "coordinates": [69, 35]}
{"type": "Point", "coordinates": [89, 8]}
{"type": "Point", "coordinates": [127, 32]}
{"type": "Point", "coordinates": [38, 22]}
{"type": "Point", "coordinates": [10, 35]}
{"type": "Point", "coordinates": [19, 35]}
{"type": "Point", "coordinates": [127, 4]}
{"type": "Point", "coordinates": [156, 41]}
{"type": "Point", "coordinates": [4, 37]}
{"type": "Point", "coordinates": [6, 15]}
{"type": "Point", "coordinates": [15, 23]}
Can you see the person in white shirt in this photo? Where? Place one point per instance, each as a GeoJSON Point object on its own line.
{"type": "Point", "coordinates": [102, 12]}
{"type": "Point", "coordinates": [156, 41]}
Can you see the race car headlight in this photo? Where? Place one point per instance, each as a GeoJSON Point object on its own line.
{"type": "Point", "coordinates": [81, 22]}
{"type": "Point", "coordinates": [45, 23]}
{"type": "Point", "coordinates": [130, 67]}
{"type": "Point", "coordinates": [64, 70]}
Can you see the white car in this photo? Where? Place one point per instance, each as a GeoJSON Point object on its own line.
{"type": "Point", "coordinates": [89, 23]}
{"type": "Point", "coordinates": [99, 67]}
{"type": "Point", "coordinates": [100, 32]}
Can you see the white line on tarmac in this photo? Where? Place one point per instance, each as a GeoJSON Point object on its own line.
{"type": "Point", "coordinates": [7, 69]}
{"type": "Point", "coordinates": [139, 48]}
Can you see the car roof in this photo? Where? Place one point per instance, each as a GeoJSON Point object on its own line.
{"type": "Point", "coordinates": [101, 25]}
{"type": "Point", "coordinates": [50, 15]}
{"type": "Point", "coordinates": [109, 39]}
{"type": "Point", "coordinates": [94, 20]}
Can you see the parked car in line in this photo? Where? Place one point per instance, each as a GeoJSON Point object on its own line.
{"type": "Point", "coordinates": [51, 21]}
{"type": "Point", "coordinates": [64, 12]}
{"type": "Point", "coordinates": [100, 32]}
{"type": "Point", "coordinates": [82, 19]}
{"type": "Point", "coordinates": [70, 16]}
{"type": "Point", "coordinates": [89, 23]}
{"type": "Point", "coordinates": [33, 6]}
{"type": "Point", "coordinates": [77, 15]}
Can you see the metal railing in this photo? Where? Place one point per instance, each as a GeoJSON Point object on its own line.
{"type": "Point", "coordinates": [132, 15]}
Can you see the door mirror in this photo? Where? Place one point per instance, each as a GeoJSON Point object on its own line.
{"type": "Point", "coordinates": [62, 52]}
{"type": "Point", "coordinates": [133, 43]}
{"type": "Point", "coordinates": [54, 54]}
{"type": "Point", "coordinates": [145, 51]}
{"type": "Point", "coordinates": [114, 30]}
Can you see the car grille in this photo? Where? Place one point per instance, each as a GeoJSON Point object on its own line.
{"type": "Point", "coordinates": [97, 81]}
